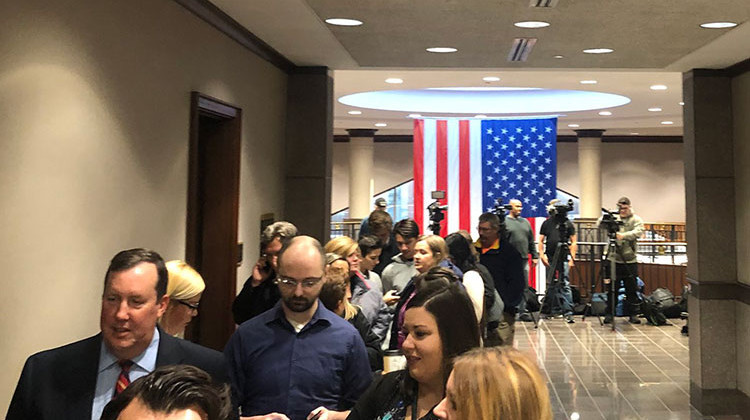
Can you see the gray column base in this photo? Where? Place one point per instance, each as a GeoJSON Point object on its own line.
{"type": "Point", "coordinates": [719, 402]}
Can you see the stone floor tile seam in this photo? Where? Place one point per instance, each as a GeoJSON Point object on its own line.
{"type": "Point", "coordinates": [670, 354]}
{"type": "Point", "coordinates": [533, 346]}
{"type": "Point", "coordinates": [658, 367]}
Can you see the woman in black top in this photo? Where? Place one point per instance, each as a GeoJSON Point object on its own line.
{"type": "Point", "coordinates": [438, 323]}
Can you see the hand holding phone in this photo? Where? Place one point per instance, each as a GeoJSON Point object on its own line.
{"type": "Point", "coordinates": [391, 297]}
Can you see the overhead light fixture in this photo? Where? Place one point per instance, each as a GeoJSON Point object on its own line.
{"type": "Point", "coordinates": [381, 125]}
{"type": "Point", "coordinates": [491, 79]}
{"type": "Point", "coordinates": [718, 25]}
{"type": "Point", "coordinates": [531, 24]}
{"type": "Point", "coordinates": [414, 116]}
{"type": "Point", "coordinates": [480, 116]}
{"type": "Point", "coordinates": [658, 87]}
{"type": "Point", "coordinates": [588, 82]}
{"type": "Point", "coordinates": [634, 134]}
{"type": "Point", "coordinates": [682, 103]}
{"type": "Point", "coordinates": [667, 122]}
{"type": "Point", "coordinates": [355, 112]}
{"type": "Point", "coordinates": [573, 125]}
{"type": "Point", "coordinates": [343, 22]}
{"type": "Point", "coordinates": [598, 50]}
{"type": "Point", "coordinates": [442, 50]}
{"type": "Point", "coordinates": [654, 109]}
{"type": "Point", "coordinates": [394, 80]}
{"type": "Point", "coordinates": [605, 113]}
{"type": "Point", "coordinates": [558, 57]}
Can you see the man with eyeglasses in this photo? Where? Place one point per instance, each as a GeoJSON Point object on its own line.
{"type": "Point", "coordinates": [298, 355]}
{"type": "Point", "coordinates": [259, 293]}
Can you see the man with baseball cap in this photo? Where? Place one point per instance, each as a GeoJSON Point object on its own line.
{"type": "Point", "coordinates": [626, 262]}
{"type": "Point", "coordinates": [364, 228]}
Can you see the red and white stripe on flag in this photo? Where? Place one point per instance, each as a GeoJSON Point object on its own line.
{"type": "Point", "coordinates": [448, 157]}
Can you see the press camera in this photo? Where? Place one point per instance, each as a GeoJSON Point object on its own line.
{"type": "Point", "coordinates": [436, 211]}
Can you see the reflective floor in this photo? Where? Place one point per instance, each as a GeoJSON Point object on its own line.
{"type": "Point", "coordinates": [635, 372]}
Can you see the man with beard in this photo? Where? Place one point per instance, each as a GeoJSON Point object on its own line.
{"type": "Point", "coordinates": [298, 355]}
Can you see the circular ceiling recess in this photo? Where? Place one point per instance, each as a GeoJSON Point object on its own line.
{"type": "Point", "coordinates": [487, 100]}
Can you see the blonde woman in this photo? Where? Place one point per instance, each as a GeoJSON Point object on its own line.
{"type": "Point", "coordinates": [185, 288]}
{"type": "Point", "coordinates": [495, 383]}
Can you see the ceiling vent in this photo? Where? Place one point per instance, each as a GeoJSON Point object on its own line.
{"type": "Point", "coordinates": [543, 3]}
{"type": "Point", "coordinates": [521, 48]}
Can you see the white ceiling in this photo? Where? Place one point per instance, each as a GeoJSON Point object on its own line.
{"type": "Point", "coordinates": [654, 42]}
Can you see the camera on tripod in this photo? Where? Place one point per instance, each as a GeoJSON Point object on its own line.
{"type": "Point", "coordinates": [559, 211]}
{"type": "Point", "coordinates": [500, 209]}
{"type": "Point", "coordinates": [610, 223]}
{"type": "Point", "coordinates": [436, 211]}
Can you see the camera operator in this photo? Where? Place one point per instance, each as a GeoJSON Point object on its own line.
{"type": "Point", "coordinates": [626, 262]}
{"type": "Point", "coordinates": [555, 227]}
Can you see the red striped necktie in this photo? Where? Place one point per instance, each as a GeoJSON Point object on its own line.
{"type": "Point", "coordinates": [123, 380]}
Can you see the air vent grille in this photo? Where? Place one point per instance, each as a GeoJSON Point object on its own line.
{"type": "Point", "coordinates": [521, 49]}
{"type": "Point", "coordinates": [543, 3]}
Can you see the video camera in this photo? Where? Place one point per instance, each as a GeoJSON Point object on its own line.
{"type": "Point", "coordinates": [436, 211]}
{"type": "Point", "coordinates": [559, 211]}
{"type": "Point", "coordinates": [610, 223]}
{"type": "Point", "coordinates": [501, 210]}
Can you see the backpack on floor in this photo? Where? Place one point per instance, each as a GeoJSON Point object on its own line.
{"type": "Point", "coordinates": [665, 300]}
{"type": "Point", "coordinates": [652, 311]}
{"type": "Point", "coordinates": [532, 300]}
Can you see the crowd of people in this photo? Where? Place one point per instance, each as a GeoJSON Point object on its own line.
{"type": "Point", "coordinates": [313, 324]}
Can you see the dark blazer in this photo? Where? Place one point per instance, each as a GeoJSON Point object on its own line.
{"type": "Point", "coordinates": [59, 383]}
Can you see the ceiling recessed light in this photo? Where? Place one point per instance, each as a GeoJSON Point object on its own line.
{"type": "Point", "coordinates": [343, 22]}
{"type": "Point", "coordinates": [682, 103]}
{"type": "Point", "coordinates": [491, 79]}
{"type": "Point", "coordinates": [718, 25]}
{"type": "Point", "coordinates": [394, 80]}
{"type": "Point", "coordinates": [667, 122]}
{"type": "Point", "coordinates": [605, 113]}
{"type": "Point", "coordinates": [588, 82]}
{"type": "Point", "coordinates": [441, 49]}
{"type": "Point", "coordinates": [558, 56]}
{"type": "Point", "coordinates": [654, 109]}
{"type": "Point", "coordinates": [480, 116]}
{"type": "Point", "coordinates": [573, 125]}
{"type": "Point", "coordinates": [381, 125]}
{"type": "Point", "coordinates": [531, 24]}
{"type": "Point", "coordinates": [634, 134]}
{"type": "Point", "coordinates": [415, 116]}
{"type": "Point", "coordinates": [355, 112]}
{"type": "Point", "coordinates": [598, 50]}
{"type": "Point", "coordinates": [658, 87]}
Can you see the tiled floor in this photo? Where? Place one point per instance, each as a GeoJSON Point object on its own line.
{"type": "Point", "coordinates": [635, 372]}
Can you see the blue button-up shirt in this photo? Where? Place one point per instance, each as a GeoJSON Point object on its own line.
{"type": "Point", "coordinates": [275, 369]}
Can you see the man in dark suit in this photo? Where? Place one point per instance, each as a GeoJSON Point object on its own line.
{"type": "Point", "coordinates": [77, 380]}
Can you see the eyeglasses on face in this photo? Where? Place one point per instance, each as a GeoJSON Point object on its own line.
{"type": "Point", "coordinates": [193, 306]}
{"type": "Point", "coordinates": [291, 283]}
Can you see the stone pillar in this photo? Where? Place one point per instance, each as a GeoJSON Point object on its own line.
{"type": "Point", "coordinates": [361, 149]}
{"type": "Point", "coordinates": [309, 146]}
{"type": "Point", "coordinates": [590, 172]}
{"type": "Point", "coordinates": [711, 244]}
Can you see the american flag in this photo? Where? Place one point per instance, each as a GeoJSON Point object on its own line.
{"type": "Point", "coordinates": [477, 161]}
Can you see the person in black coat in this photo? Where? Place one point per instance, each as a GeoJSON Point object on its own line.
{"type": "Point", "coordinates": [78, 379]}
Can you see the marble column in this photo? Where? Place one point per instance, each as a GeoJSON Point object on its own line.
{"type": "Point", "coordinates": [309, 149]}
{"type": "Point", "coordinates": [590, 172]}
{"type": "Point", "coordinates": [361, 151]}
{"type": "Point", "coordinates": [712, 245]}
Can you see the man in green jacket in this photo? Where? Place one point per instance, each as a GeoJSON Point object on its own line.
{"type": "Point", "coordinates": [626, 262]}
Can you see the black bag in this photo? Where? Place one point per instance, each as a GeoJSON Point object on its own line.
{"type": "Point", "coordinates": [599, 304]}
{"type": "Point", "coordinates": [664, 299]}
{"type": "Point", "coordinates": [532, 301]}
{"type": "Point", "coordinates": [653, 312]}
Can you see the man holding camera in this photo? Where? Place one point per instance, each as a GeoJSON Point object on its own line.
{"type": "Point", "coordinates": [626, 262]}
{"type": "Point", "coordinates": [559, 230]}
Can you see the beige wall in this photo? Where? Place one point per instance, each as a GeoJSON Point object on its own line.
{"type": "Point", "coordinates": [741, 120]}
{"type": "Point", "coordinates": [94, 99]}
{"type": "Point", "coordinates": [651, 175]}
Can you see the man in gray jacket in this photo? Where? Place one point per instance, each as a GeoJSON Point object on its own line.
{"type": "Point", "coordinates": [626, 262]}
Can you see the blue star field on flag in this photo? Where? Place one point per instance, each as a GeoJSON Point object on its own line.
{"type": "Point", "coordinates": [519, 161]}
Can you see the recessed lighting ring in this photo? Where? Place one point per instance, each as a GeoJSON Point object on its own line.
{"type": "Point", "coordinates": [381, 125]}
{"type": "Point", "coordinates": [589, 82]}
{"type": "Point", "coordinates": [718, 25]}
{"type": "Point", "coordinates": [667, 122]}
{"type": "Point", "coordinates": [343, 22]}
{"type": "Point", "coordinates": [394, 80]}
{"type": "Point", "coordinates": [573, 125]}
{"type": "Point", "coordinates": [491, 79]}
{"type": "Point", "coordinates": [355, 112]}
{"type": "Point", "coordinates": [598, 50]}
{"type": "Point", "coordinates": [441, 50]}
{"type": "Point", "coordinates": [658, 87]}
{"type": "Point", "coordinates": [414, 115]}
{"type": "Point", "coordinates": [531, 24]}
{"type": "Point", "coordinates": [654, 109]}
{"type": "Point", "coordinates": [605, 113]}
